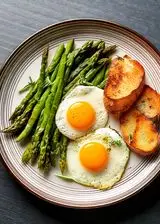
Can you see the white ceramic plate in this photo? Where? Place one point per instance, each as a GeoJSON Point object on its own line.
{"type": "Point", "coordinates": [24, 62]}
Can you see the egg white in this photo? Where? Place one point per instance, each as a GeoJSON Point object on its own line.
{"type": "Point", "coordinates": [89, 94]}
{"type": "Point", "coordinates": [112, 173]}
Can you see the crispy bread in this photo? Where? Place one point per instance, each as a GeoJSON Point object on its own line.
{"type": "Point", "coordinates": [139, 132]}
{"type": "Point", "coordinates": [125, 84]}
{"type": "Point", "coordinates": [128, 124]}
{"type": "Point", "coordinates": [145, 138]}
{"type": "Point", "coordinates": [149, 103]}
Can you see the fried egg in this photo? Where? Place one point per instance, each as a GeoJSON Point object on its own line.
{"type": "Point", "coordinates": [98, 159]}
{"type": "Point", "coordinates": [81, 111]}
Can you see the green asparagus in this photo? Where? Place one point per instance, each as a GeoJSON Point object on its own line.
{"type": "Point", "coordinates": [96, 44]}
{"type": "Point", "coordinates": [85, 62]}
{"type": "Point", "coordinates": [36, 103]}
{"type": "Point", "coordinates": [28, 153]}
{"type": "Point", "coordinates": [56, 146]}
{"type": "Point", "coordinates": [109, 50]}
{"type": "Point", "coordinates": [21, 107]}
{"type": "Point", "coordinates": [103, 83]}
{"type": "Point", "coordinates": [59, 81]}
{"type": "Point", "coordinates": [101, 45]}
{"type": "Point", "coordinates": [61, 72]}
{"type": "Point", "coordinates": [99, 77]}
{"type": "Point", "coordinates": [69, 65]}
{"type": "Point", "coordinates": [57, 98]}
{"type": "Point", "coordinates": [80, 54]}
{"type": "Point", "coordinates": [88, 49]}
{"type": "Point", "coordinates": [30, 85]}
{"type": "Point", "coordinates": [22, 119]}
{"type": "Point", "coordinates": [82, 69]}
{"type": "Point", "coordinates": [91, 74]}
{"type": "Point", "coordinates": [34, 116]}
{"type": "Point", "coordinates": [85, 75]}
{"type": "Point", "coordinates": [36, 139]}
{"type": "Point", "coordinates": [55, 59]}
{"type": "Point", "coordinates": [62, 161]}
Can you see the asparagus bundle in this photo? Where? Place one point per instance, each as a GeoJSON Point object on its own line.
{"type": "Point", "coordinates": [36, 139]}
{"type": "Point", "coordinates": [35, 115]}
{"type": "Point", "coordinates": [22, 113]}
{"type": "Point", "coordinates": [20, 108]}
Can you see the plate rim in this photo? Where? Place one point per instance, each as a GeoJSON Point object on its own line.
{"type": "Point", "coordinates": [154, 48]}
{"type": "Point", "coordinates": [4, 64]}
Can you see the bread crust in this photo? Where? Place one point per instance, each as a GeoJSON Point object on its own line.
{"type": "Point", "coordinates": [123, 72]}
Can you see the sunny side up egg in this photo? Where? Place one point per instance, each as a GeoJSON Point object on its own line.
{"type": "Point", "coordinates": [95, 160]}
{"type": "Point", "coordinates": [81, 112]}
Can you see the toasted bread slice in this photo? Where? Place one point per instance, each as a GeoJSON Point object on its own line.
{"type": "Point", "coordinates": [139, 132]}
{"type": "Point", "coordinates": [149, 103]}
{"type": "Point", "coordinates": [145, 138]}
{"type": "Point", "coordinates": [125, 84]}
{"type": "Point", "coordinates": [128, 124]}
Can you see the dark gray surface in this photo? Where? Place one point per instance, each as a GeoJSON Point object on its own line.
{"type": "Point", "coordinates": [18, 20]}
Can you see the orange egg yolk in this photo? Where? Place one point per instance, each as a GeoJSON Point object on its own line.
{"type": "Point", "coordinates": [94, 156]}
{"type": "Point", "coordinates": [81, 116]}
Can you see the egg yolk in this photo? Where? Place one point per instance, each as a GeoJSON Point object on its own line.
{"type": "Point", "coordinates": [94, 156]}
{"type": "Point", "coordinates": [81, 115]}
